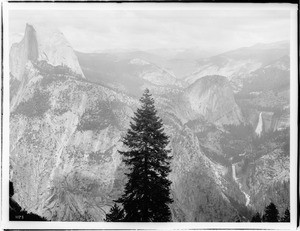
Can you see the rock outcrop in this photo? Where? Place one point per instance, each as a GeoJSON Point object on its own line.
{"type": "Point", "coordinates": [42, 44]}
{"type": "Point", "coordinates": [212, 97]}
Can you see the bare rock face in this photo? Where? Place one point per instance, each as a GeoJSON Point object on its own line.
{"type": "Point", "coordinates": [40, 49]}
{"type": "Point", "coordinates": [269, 121]}
{"type": "Point", "coordinates": [269, 180]}
{"type": "Point", "coordinates": [42, 44]}
{"type": "Point", "coordinates": [212, 97]}
{"type": "Point", "coordinates": [65, 132]}
{"type": "Point", "coordinates": [71, 160]}
{"type": "Point", "coordinates": [21, 52]}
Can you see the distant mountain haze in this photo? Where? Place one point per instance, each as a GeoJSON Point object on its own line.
{"type": "Point", "coordinates": [238, 64]}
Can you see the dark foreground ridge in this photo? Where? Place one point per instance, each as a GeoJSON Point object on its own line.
{"type": "Point", "coordinates": [16, 213]}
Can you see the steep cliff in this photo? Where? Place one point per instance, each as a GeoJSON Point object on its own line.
{"type": "Point", "coordinates": [212, 97]}
{"type": "Point", "coordinates": [64, 142]}
{"type": "Point", "coordinates": [42, 44]}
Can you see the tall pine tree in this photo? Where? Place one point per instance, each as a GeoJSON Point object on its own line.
{"type": "Point", "coordinates": [115, 215]}
{"type": "Point", "coordinates": [271, 213]}
{"type": "Point", "coordinates": [147, 191]}
{"type": "Point", "coordinates": [286, 217]}
{"type": "Point", "coordinates": [256, 218]}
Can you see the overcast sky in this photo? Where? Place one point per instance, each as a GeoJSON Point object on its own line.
{"type": "Point", "coordinates": [89, 31]}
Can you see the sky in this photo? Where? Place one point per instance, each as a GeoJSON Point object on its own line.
{"type": "Point", "coordinates": [100, 30]}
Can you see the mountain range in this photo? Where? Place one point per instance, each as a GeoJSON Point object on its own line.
{"type": "Point", "coordinates": [227, 117]}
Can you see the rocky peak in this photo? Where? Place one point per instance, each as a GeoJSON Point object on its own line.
{"type": "Point", "coordinates": [212, 97]}
{"type": "Point", "coordinates": [31, 44]}
{"type": "Point", "coordinates": [42, 44]}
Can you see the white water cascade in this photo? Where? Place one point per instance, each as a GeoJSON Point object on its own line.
{"type": "Point", "coordinates": [233, 172]}
{"type": "Point", "coordinates": [259, 126]}
{"type": "Point", "coordinates": [247, 196]}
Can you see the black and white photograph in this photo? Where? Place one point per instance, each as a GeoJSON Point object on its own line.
{"type": "Point", "coordinates": [150, 112]}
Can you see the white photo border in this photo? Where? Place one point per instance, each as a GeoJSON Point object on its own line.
{"type": "Point", "coordinates": [6, 224]}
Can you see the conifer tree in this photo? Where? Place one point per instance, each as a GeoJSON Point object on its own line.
{"type": "Point", "coordinates": [271, 213]}
{"type": "Point", "coordinates": [147, 191]}
{"type": "Point", "coordinates": [256, 218]}
{"type": "Point", "coordinates": [286, 217]}
{"type": "Point", "coordinates": [115, 214]}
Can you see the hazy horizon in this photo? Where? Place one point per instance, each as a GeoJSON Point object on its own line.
{"type": "Point", "coordinates": [207, 30]}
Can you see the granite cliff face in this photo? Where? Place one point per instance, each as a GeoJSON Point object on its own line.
{"type": "Point", "coordinates": [42, 44]}
{"type": "Point", "coordinates": [40, 47]}
{"type": "Point", "coordinates": [212, 97]}
{"type": "Point", "coordinates": [65, 133]}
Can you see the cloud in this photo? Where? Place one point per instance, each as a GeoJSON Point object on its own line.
{"type": "Point", "coordinates": [88, 30]}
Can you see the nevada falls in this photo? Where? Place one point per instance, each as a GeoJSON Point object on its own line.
{"type": "Point", "coordinates": [229, 135]}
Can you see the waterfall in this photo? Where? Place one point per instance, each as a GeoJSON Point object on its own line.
{"type": "Point", "coordinates": [259, 126]}
{"type": "Point", "coordinates": [247, 196]}
{"type": "Point", "coordinates": [233, 172]}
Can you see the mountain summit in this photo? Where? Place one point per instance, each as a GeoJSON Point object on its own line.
{"type": "Point", "coordinates": [212, 97]}
{"type": "Point", "coordinates": [42, 44]}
